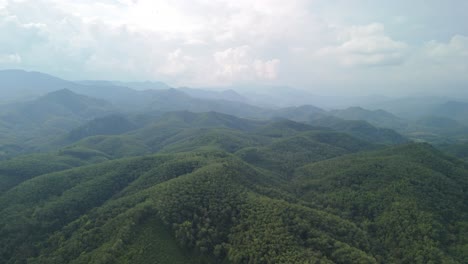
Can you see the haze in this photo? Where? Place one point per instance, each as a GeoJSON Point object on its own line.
{"type": "Point", "coordinates": [233, 131]}
{"type": "Point", "coordinates": [324, 47]}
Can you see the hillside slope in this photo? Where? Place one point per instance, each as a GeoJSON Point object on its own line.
{"type": "Point", "coordinates": [411, 200]}
{"type": "Point", "coordinates": [404, 204]}
{"type": "Point", "coordinates": [210, 202]}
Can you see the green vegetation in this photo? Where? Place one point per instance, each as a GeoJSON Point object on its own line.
{"type": "Point", "coordinates": [29, 126]}
{"type": "Point", "coordinates": [17, 170]}
{"type": "Point", "coordinates": [226, 190]}
{"type": "Point", "coordinates": [208, 199]}
{"type": "Point", "coordinates": [360, 129]}
{"type": "Point", "coordinates": [108, 125]}
{"type": "Point", "coordinates": [443, 125]}
{"type": "Point", "coordinates": [183, 187]}
{"type": "Point", "coordinates": [411, 200]}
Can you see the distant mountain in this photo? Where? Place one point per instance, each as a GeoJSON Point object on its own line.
{"type": "Point", "coordinates": [143, 85]}
{"type": "Point", "coordinates": [435, 128]}
{"type": "Point", "coordinates": [117, 134]}
{"type": "Point", "coordinates": [176, 100]}
{"type": "Point", "coordinates": [61, 103]}
{"type": "Point", "coordinates": [286, 96]}
{"type": "Point", "coordinates": [167, 100]}
{"type": "Point", "coordinates": [442, 125]}
{"type": "Point", "coordinates": [276, 96]}
{"type": "Point", "coordinates": [21, 85]}
{"type": "Point", "coordinates": [169, 177]}
{"type": "Point", "coordinates": [18, 84]}
{"type": "Point", "coordinates": [37, 121]}
{"type": "Point", "coordinates": [108, 125]}
{"type": "Point", "coordinates": [408, 107]}
{"type": "Point", "coordinates": [278, 128]}
{"type": "Point", "coordinates": [454, 110]}
{"type": "Point", "coordinates": [208, 119]}
{"type": "Point", "coordinates": [96, 83]}
{"type": "Point", "coordinates": [227, 95]}
{"type": "Point", "coordinates": [359, 129]}
{"type": "Point", "coordinates": [183, 131]}
{"type": "Point", "coordinates": [139, 86]}
{"type": "Point", "coordinates": [156, 96]}
{"type": "Point", "coordinates": [378, 118]}
{"type": "Point", "coordinates": [299, 113]}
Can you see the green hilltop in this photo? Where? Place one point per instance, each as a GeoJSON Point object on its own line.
{"type": "Point", "coordinates": [97, 172]}
{"type": "Point", "coordinates": [212, 188]}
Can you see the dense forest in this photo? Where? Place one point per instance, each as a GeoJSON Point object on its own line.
{"type": "Point", "coordinates": [191, 177]}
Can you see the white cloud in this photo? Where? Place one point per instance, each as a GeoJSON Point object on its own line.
{"type": "Point", "coordinates": [238, 64]}
{"type": "Point", "coordinates": [10, 59]}
{"type": "Point", "coordinates": [267, 70]}
{"type": "Point", "coordinates": [3, 4]}
{"type": "Point", "coordinates": [16, 36]}
{"type": "Point", "coordinates": [443, 61]}
{"type": "Point", "coordinates": [233, 63]}
{"type": "Point", "coordinates": [178, 41]}
{"type": "Point", "coordinates": [456, 48]}
{"type": "Point", "coordinates": [213, 42]}
{"type": "Point", "coordinates": [366, 45]}
{"type": "Point", "coordinates": [177, 63]}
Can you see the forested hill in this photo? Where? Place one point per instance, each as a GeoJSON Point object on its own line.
{"type": "Point", "coordinates": [228, 190]}
{"type": "Point", "coordinates": [440, 122]}
{"type": "Point", "coordinates": [162, 176]}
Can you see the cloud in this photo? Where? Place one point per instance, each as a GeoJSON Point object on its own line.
{"type": "Point", "coordinates": [10, 59]}
{"type": "Point", "coordinates": [238, 64]}
{"type": "Point", "coordinates": [177, 63]}
{"type": "Point", "coordinates": [17, 37]}
{"type": "Point", "coordinates": [267, 70]}
{"type": "Point", "coordinates": [233, 63]}
{"type": "Point", "coordinates": [176, 41]}
{"type": "Point", "coordinates": [443, 61]}
{"type": "Point", "coordinates": [222, 42]}
{"type": "Point", "coordinates": [456, 48]}
{"type": "Point", "coordinates": [366, 46]}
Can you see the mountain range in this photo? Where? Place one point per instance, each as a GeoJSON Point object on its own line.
{"type": "Point", "coordinates": [119, 172]}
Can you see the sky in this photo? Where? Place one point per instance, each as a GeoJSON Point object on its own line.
{"type": "Point", "coordinates": [323, 46]}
